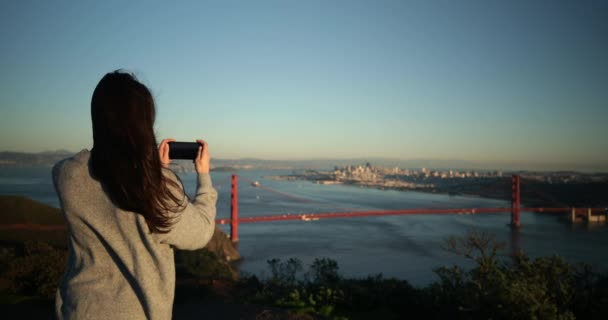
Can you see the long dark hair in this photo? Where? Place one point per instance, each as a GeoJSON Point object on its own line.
{"type": "Point", "coordinates": [125, 157]}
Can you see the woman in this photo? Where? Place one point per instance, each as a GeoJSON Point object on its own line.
{"type": "Point", "coordinates": [126, 211]}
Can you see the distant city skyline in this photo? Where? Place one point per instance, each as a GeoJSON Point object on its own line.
{"type": "Point", "coordinates": [519, 82]}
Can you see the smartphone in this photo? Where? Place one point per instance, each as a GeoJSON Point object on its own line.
{"type": "Point", "coordinates": [183, 150]}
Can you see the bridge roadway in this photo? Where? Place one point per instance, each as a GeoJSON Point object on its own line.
{"type": "Point", "coordinates": [353, 214]}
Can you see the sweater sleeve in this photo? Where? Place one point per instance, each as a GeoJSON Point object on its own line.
{"type": "Point", "coordinates": [193, 227]}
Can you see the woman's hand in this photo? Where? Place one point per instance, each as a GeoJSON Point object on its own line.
{"type": "Point", "coordinates": [201, 163]}
{"type": "Point", "coordinates": [163, 151]}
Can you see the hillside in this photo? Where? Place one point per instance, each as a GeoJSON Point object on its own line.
{"type": "Point", "coordinates": [19, 210]}
{"type": "Point", "coordinates": [23, 219]}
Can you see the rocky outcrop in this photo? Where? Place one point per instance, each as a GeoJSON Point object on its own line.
{"type": "Point", "coordinates": [221, 245]}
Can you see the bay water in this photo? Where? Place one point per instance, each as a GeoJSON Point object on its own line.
{"type": "Point", "coordinates": [407, 247]}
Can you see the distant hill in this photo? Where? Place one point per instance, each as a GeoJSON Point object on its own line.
{"type": "Point", "coordinates": [48, 158]}
{"type": "Point", "coordinates": [23, 159]}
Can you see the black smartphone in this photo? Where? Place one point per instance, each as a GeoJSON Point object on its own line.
{"type": "Point", "coordinates": [183, 150]}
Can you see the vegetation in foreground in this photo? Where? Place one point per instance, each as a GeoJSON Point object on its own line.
{"type": "Point", "coordinates": [495, 288]}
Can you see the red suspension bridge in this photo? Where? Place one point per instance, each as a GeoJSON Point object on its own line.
{"type": "Point", "coordinates": [515, 209]}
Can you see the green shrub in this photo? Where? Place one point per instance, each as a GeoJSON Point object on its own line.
{"type": "Point", "coordinates": [37, 272]}
{"type": "Point", "coordinates": [204, 264]}
{"type": "Point", "coordinates": [324, 272]}
{"type": "Point", "coordinates": [285, 274]}
{"type": "Point", "coordinates": [519, 288]}
{"type": "Point", "coordinates": [496, 287]}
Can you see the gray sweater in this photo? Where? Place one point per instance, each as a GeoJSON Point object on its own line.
{"type": "Point", "coordinates": [117, 268]}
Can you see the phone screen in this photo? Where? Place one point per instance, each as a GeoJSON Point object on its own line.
{"type": "Point", "coordinates": [183, 150]}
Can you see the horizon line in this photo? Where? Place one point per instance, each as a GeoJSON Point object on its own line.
{"type": "Point", "coordinates": [518, 165]}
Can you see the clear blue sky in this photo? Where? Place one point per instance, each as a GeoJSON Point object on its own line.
{"type": "Point", "coordinates": [486, 81]}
